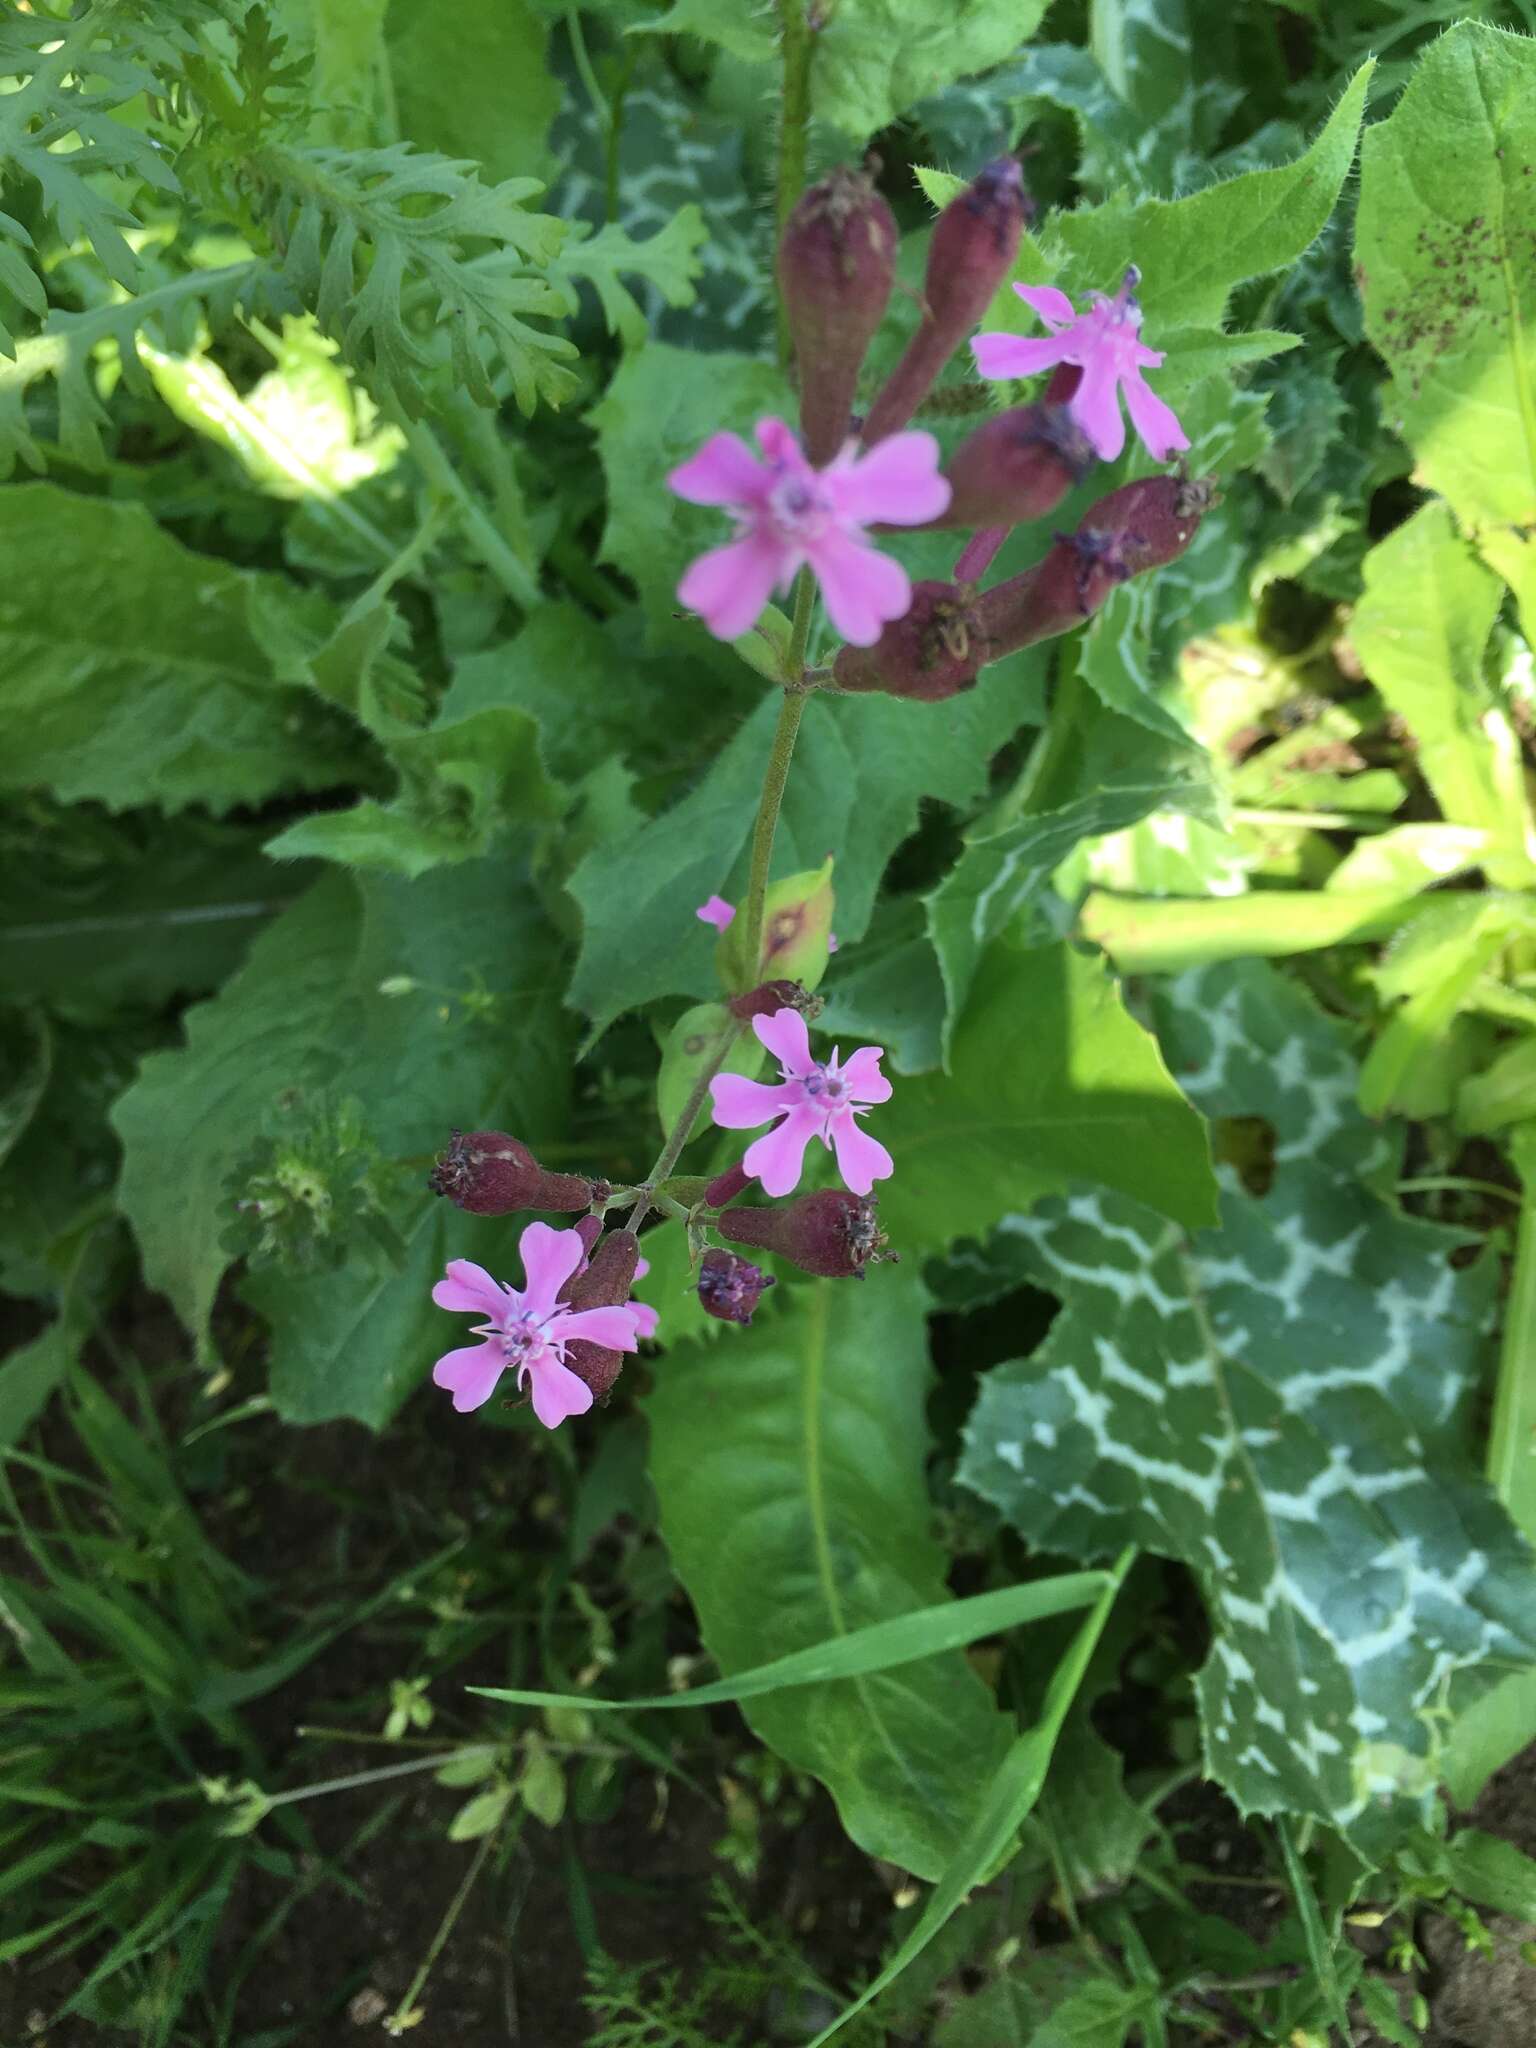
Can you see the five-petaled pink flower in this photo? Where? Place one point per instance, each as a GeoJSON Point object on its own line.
{"type": "Point", "coordinates": [814, 1100]}
{"type": "Point", "coordinates": [1105, 343]}
{"type": "Point", "coordinates": [716, 911]}
{"type": "Point", "coordinates": [526, 1330]}
{"type": "Point", "coordinates": [790, 514]}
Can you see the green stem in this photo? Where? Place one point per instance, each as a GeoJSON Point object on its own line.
{"type": "Point", "coordinates": [677, 1138]}
{"type": "Point", "coordinates": [480, 529]}
{"type": "Point", "coordinates": [791, 711]}
{"type": "Point", "coordinates": [794, 121]}
{"type": "Point", "coordinates": [1151, 935]}
{"type": "Point", "coordinates": [775, 776]}
{"type": "Point", "coordinates": [404, 2014]}
{"type": "Point", "coordinates": [1512, 1434]}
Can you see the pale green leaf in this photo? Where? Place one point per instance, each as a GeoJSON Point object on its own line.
{"type": "Point", "coordinates": [1421, 631]}
{"type": "Point", "coordinates": [1443, 246]}
{"type": "Point", "coordinates": [473, 80]}
{"type": "Point", "coordinates": [169, 677]}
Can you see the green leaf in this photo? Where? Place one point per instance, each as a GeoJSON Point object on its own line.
{"type": "Point", "coordinates": [789, 1467]}
{"type": "Point", "coordinates": [1421, 630]}
{"type": "Point", "coordinates": [26, 1060]}
{"type": "Point", "coordinates": [989, 1838]}
{"type": "Point", "coordinates": [478, 1045]}
{"type": "Point", "coordinates": [428, 225]}
{"type": "Point", "coordinates": [1493, 1729]}
{"type": "Point", "coordinates": [876, 58]}
{"type": "Point", "coordinates": [1004, 872]}
{"type": "Point", "coordinates": [168, 678]}
{"type": "Point", "coordinates": [1492, 1873]}
{"type": "Point", "coordinates": [1281, 1404]}
{"type": "Point", "coordinates": [541, 1782]}
{"type": "Point", "coordinates": [1446, 276]}
{"type": "Point", "coordinates": [882, 1646]}
{"type": "Point", "coordinates": [463, 782]}
{"type": "Point", "coordinates": [473, 80]}
{"type": "Point", "coordinates": [667, 262]}
{"type": "Point", "coordinates": [1193, 252]}
{"type": "Point", "coordinates": [1051, 1082]}
{"type": "Point", "coordinates": [478, 1816]}
{"type": "Point", "coordinates": [688, 1049]}
{"type": "Point", "coordinates": [861, 771]}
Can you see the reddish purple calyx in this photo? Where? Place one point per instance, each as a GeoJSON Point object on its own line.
{"type": "Point", "coordinates": [731, 1287]}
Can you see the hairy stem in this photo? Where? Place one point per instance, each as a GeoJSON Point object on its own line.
{"type": "Point", "coordinates": [794, 120]}
{"type": "Point", "coordinates": [775, 776]}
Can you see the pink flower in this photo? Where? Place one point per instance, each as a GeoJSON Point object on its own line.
{"type": "Point", "coordinates": [527, 1331]}
{"type": "Point", "coordinates": [716, 911]}
{"type": "Point", "coordinates": [813, 1100]}
{"type": "Point", "coordinates": [789, 513]}
{"type": "Point", "coordinates": [1105, 344]}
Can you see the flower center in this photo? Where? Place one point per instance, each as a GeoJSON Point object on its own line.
{"type": "Point", "coordinates": [827, 1089]}
{"type": "Point", "coordinates": [524, 1342]}
{"type": "Point", "coordinates": [797, 508]}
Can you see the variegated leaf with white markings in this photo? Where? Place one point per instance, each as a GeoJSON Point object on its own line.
{"type": "Point", "coordinates": [1281, 1403]}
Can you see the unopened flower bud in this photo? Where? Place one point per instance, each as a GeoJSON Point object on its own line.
{"type": "Point", "coordinates": [725, 1187]}
{"type": "Point", "coordinates": [797, 922]}
{"type": "Point", "coordinates": [833, 1233]}
{"type": "Point", "coordinates": [933, 653]}
{"type": "Point", "coordinates": [490, 1174]}
{"type": "Point", "coordinates": [837, 261]}
{"type": "Point", "coordinates": [730, 1287]}
{"type": "Point", "coordinates": [1017, 467]}
{"type": "Point", "coordinates": [774, 996]}
{"type": "Point", "coordinates": [604, 1283]}
{"type": "Point", "coordinates": [1141, 526]}
{"type": "Point", "coordinates": [975, 241]}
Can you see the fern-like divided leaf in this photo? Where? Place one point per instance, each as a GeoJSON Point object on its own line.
{"type": "Point", "coordinates": [667, 261]}
{"type": "Point", "coordinates": [57, 128]}
{"type": "Point", "coordinates": [394, 247]}
{"type": "Point", "coordinates": [172, 314]}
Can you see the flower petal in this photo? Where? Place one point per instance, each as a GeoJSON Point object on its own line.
{"type": "Point", "coordinates": [780, 443]}
{"type": "Point", "coordinates": [729, 586]}
{"type": "Point", "coordinates": [1010, 355]}
{"type": "Point", "coordinates": [741, 1105]}
{"type": "Point", "coordinates": [613, 1328]}
{"type": "Point", "coordinates": [1095, 405]}
{"type": "Point", "coordinates": [897, 482]}
{"type": "Point", "coordinates": [861, 1159]}
{"type": "Point", "coordinates": [716, 911]}
{"type": "Point", "coordinates": [646, 1318]}
{"type": "Point", "coordinates": [469, 1288]}
{"type": "Point", "coordinates": [550, 1257]}
{"type": "Point", "coordinates": [557, 1392]}
{"type": "Point", "coordinates": [863, 589]}
{"type": "Point", "coordinates": [777, 1159]}
{"type": "Point", "coordinates": [1053, 306]}
{"type": "Point", "coordinates": [861, 1070]}
{"type": "Point", "coordinates": [470, 1374]}
{"type": "Point", "coordinates": [785, 1036]}
{"type": "Point", "coordinates": [1156, 422]}
{"type": "Point", "coordinates": [724, 472]}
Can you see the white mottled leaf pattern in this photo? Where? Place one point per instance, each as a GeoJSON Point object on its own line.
{"type": "Point", "coordinates": [1281, 1403]}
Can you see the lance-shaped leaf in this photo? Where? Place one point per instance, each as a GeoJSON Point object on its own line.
{"type": "Point", "coordinates": [1443, 247]}
{"type": "Point", "coordinates": [789, 1467]}
{"type": "Point", "coordinates": [1282, 1403]}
